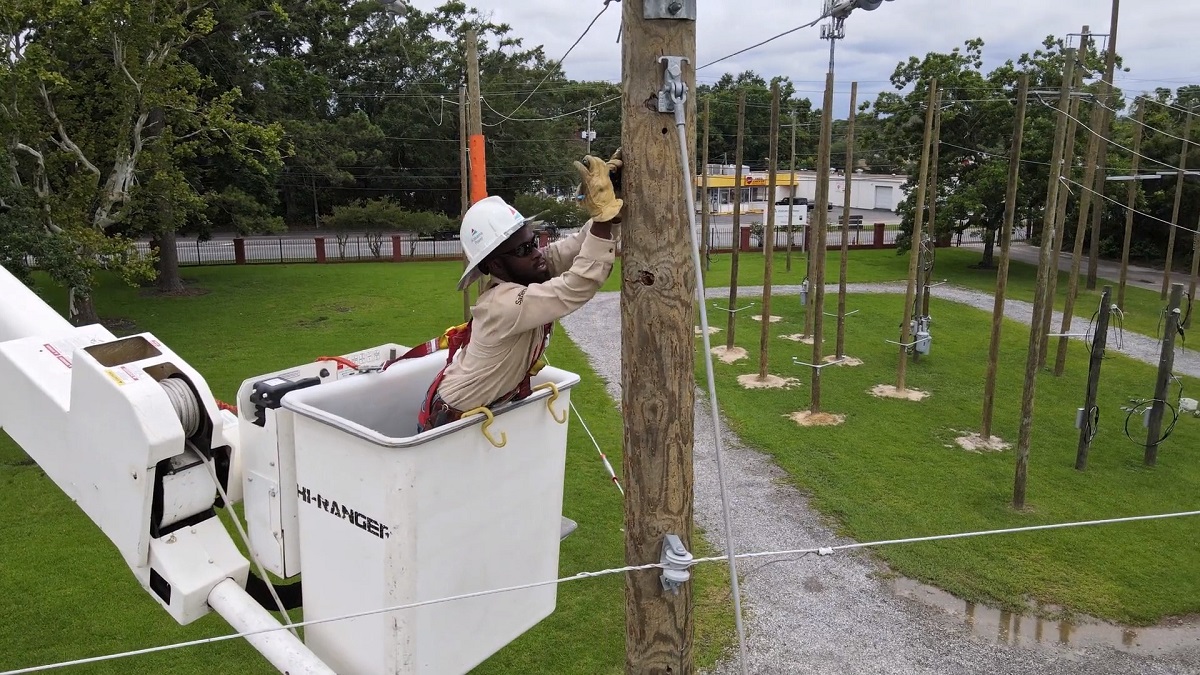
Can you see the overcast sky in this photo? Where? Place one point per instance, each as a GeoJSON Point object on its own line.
{"type": "Point", "coordinates": [1156, 38]}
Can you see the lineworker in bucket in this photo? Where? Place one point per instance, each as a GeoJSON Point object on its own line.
{"type": "Point", "coordinates": [491, 359]}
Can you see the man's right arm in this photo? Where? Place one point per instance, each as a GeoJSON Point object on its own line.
{"type": "Point", "coordinates": [515, 308]}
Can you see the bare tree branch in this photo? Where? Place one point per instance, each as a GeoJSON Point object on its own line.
{"type": "Point", "coordinates": [65, 140]}
{"type": "Point", "coordinates": [119, 58]}
{"type": "Point", "coordinates": [41, 183]}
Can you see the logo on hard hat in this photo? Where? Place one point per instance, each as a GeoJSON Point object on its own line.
{"type": "Point", "coordinates": [476, 236]}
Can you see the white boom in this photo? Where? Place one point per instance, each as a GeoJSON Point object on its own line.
{"type": "Point", "coordinates": [338, 488]}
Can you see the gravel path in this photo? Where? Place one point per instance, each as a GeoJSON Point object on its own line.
{"type": "Point", "coordinates": [835, 615]}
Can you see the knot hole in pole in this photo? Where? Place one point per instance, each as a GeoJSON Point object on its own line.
{"type": "Point", "coordinates": [646, 278]}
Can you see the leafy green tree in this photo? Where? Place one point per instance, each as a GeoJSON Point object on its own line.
{"type": "Point", "coordinates": [98, 109]}
{"type": "Point", "coordinates": [555, 213]}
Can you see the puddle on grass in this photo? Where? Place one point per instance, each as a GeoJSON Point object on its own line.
{"type": "Point", "coordinates": [1012, 628]}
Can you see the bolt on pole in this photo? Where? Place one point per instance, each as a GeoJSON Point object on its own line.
{"type": "Point", "coordinates": [1010, 214]}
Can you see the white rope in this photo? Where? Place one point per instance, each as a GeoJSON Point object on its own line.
{"type": "Point", "coordinates": [822, 551]}
{"type": "Point", "coordinates": [690, 195]}
{"type": "Point", "coordinates": [603, 457]}
{"type": "Point", "coordinates": [212, 471]}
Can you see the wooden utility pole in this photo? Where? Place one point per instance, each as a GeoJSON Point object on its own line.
{"type": "Point", "coordinates": [841, 311]}
{"type": "Point", "coordinates": [1166, 363]}
{"type": "Point", "coordinates": [1041, 297]}
{"type": "Point", "coordinates": [1099, 341]}
{"type": "Point", "coordinates": [704, 206]}
{"type": "Point", "coordinates": [737, 222]}
{"type": "Point", "coordinates": [1181, 178]}
{"type": "Point", "coordinates": [1060, 213]}
{"type": "Point", "coordinates": [821, 226]}
{"type": "Point", "coordinates": [1105, 130]}
{"type": "Point", "coordinates": [1131, 201]}
{"type": "Point", "coordinates": [792, 195]}
{"type": "Point", "coordinates": [1010, 215]}
{"type": "Point", "coordinates": [464, 176]}
{"type": "Point", "coordinates": [1195, 273]}
{"type": "Point", "coordinates": [923, 271]}
{"type": "Point", "coordinates": [1085, 202]}
{"type": "Point", "coordinates": [915, 239]}
{"type": "Point", "coordinates": [769, 235]}
{"type": "Point", "coordinates": [658, 308]}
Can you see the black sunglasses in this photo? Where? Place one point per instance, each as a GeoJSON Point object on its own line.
{"type": "Point", "coordinates": [523, 250]}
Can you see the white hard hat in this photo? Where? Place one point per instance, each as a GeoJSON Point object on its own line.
{"type": "Point", "coordinates": [487, 224]}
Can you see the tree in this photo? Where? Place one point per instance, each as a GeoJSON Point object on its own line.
{"type": "Point", "coordinates": [724, 96]}
{"type": "Point", "coordinates": [90, 155]}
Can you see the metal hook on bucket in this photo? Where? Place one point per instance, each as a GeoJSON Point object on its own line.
{"type": "Point", "coordinates": [487, 426]}
{"type": "Point", "coordinates": [550, 401]}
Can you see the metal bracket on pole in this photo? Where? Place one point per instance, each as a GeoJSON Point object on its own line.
{"type": "Point", "coordinates": [673, 86]}
{"type": "Point", "coordinates": [850, 313]}
{"type": "Point", "coordinates": [676, 562]}
{"type": "Point", "coordinates": [733, 311]}
{"type": "Point", "coordinates": [669, 9]}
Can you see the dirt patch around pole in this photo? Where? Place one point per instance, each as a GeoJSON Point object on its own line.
{"type": "Point", "coordinates": [711, 330]}
{"type": "Point", "coordinates": [807, 418]}
{"type": "Point", "coordinates": [753, 381]}
{"type": "Point", "coordinates": [799, 337]}
{"type": "Point", "coordinates": [848, 361]}
{"type": "Point", "coordinates": [774, 319]}
{"type": "Point", "coordinates": [890, 391]}
{"type": "Point", "coordinates": [729, 355]}
{"type": "Point", "coordinates": [976, 443]}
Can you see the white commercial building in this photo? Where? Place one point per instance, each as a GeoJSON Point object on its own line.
{"type": "Point", "coordinates": [868, 191]}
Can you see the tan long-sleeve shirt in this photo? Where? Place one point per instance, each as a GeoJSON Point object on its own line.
{"type": "Point", "coordinates": [508, 320]}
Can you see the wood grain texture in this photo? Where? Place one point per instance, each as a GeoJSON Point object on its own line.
{"type": "Point", "coordinates": [657, 342]}
{"type": "Point", "coordinates": [1099, 340]}
{"type": "Point", "coordinates": [1131, 194]}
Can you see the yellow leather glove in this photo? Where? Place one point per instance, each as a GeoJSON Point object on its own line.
{"type": "Point", "coordinates": [599, 198]}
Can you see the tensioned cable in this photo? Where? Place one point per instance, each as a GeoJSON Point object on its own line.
{"type": "Point", "coordinates": [551, 118]}
{"type": "Point", "coordinates": [770, 39]}
{"type": "Point", "coordinates": [1147, 126]}
{"type": "Point", "coordinates": [1127, 207]}
{"type": "Point", "coordinates": [1081, 124]}
{"type": "Point", "coordinates": [678, 96]}
{"type": "Point", "coordinates": [820, 551]}
{"type": "Point", "coordinates": [550, 68]}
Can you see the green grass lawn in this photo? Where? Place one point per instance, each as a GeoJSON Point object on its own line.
{"type": "Point", "coordinates": [68, 595]}
{"type": "Point", "coordinates": [893, 470]}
